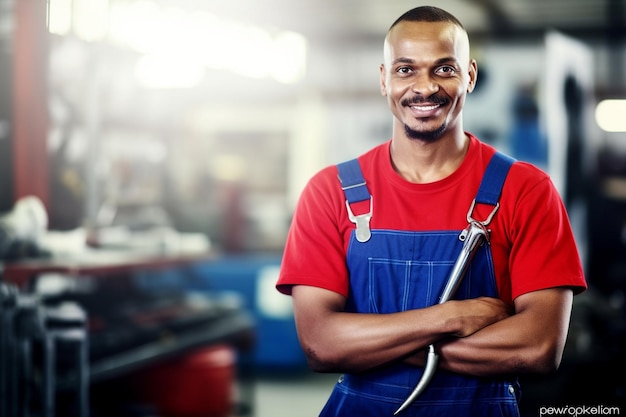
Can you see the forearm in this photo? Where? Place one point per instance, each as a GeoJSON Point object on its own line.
{"type": "Point", "coordinates": [350, 342]}
{"type": "Point", "coordinates": [531, 341]}
{"type": "Point", "coordinates": [493, 350]}
{"type": "Point", "coordinates": [337, 341]}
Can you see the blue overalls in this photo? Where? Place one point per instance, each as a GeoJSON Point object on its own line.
{"type": "Point", "coordinates": [394, 271]}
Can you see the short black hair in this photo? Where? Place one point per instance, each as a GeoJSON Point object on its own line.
{"type": "Point", "coordinates": [427, 14]}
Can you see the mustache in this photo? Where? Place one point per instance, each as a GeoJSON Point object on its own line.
{"type": "Point", "coordinates": [434, 99]}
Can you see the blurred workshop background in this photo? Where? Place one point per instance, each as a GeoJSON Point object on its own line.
{"type": "Point", "coordinates": [152, 151]}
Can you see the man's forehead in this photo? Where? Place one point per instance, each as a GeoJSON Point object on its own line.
{"type": "Point", "coordinates": [407, 34]}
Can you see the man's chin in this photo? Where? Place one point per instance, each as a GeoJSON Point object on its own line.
{"type": "Point", "coordinates": [424, 134]}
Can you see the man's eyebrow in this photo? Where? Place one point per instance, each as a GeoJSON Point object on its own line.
{"type": "Point", "coordinates": [404, 60]}
{"type": "Point", "coordinates": [448, 60]}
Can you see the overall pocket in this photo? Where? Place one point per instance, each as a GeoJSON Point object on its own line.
{"type": "Point", "coordinates": [396, 285]}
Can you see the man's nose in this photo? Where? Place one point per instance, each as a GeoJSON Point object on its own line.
{"type": "Point", "coordinates": [425, 85]}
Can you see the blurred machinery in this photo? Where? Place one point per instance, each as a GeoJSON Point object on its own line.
{"type": "Point", "coordinates": [143, 331]}
{"type": "Point", "coordinates": [43, 355]}
{"type": "Point", "coordinates": [105, 331]}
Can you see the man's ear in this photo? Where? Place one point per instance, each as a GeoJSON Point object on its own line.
{"type": "Point", "coordinates": [383, 84]}
{"type": "Point", "coordinates": [473, 76]}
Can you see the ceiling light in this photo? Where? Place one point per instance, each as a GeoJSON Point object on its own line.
{"type": "Point", "coordinates": [610, 115]}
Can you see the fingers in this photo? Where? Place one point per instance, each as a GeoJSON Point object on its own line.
{"type": "Point", "coordinates": [479, 313]}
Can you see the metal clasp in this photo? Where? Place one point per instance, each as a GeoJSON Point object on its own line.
{"type": "Point", "coordinates": [362, 221]}
{"type": "Point", "coordinates": [485, 222]}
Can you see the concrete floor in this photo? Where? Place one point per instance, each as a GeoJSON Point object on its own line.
{"type": "Point", "coordinates": [301, 395]}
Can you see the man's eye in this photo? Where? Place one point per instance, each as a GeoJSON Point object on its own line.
{"type": "Point", "coordinates": [446, 70]}
{"type": "Point", "coordinates": [404, 70]}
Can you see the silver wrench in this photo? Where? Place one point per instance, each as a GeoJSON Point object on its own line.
{"type": "Point", "coordinates": [473, 236]}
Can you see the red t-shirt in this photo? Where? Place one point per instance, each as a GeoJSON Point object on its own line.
{"type": "Point", "coordinates": [532, 242]}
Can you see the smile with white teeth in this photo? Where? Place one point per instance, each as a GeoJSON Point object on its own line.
{"type": "Point", "coordinates": [425, 108]}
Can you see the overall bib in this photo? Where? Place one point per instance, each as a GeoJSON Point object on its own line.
{"type": "Point", "coordinates": [392, 271]}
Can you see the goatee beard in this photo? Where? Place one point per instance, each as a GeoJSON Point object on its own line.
{"type": "Point", "coordinates": [427, 135]}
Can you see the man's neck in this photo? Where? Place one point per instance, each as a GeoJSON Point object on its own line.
{"type": "Point", "coordinates": [424, 162]}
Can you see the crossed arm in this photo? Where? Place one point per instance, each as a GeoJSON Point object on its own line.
{"type": "Point", "coordinates": [478, 336]}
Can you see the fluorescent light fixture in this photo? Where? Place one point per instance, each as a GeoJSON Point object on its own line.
{"type": "Point", "coordinates": [215, 42]}
{"type": "Point", "coordinates": [183, 42]}
{"type": "Point", "coordinates": [60, 17]}
{"type": "Point", "coordinates": [611, 115]}
{"type": "Point", "coordinates": [288, 64]}
{"type": "Point", "coordinates": [167, 72]}
{"type": "Point", "coordinates": [89, 19]}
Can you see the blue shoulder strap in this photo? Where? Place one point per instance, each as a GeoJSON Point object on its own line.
{"type": "Point", "coordinates": [352, 181]}
{"type": "Point", "coordinates": [355, 189]}
{"type": "Point", "coordinates": [493, 179]}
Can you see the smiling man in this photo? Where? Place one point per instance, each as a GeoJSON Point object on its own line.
{"type": "Point", "coordinates": [427, 108]}
{"type": "Point", "coordinates": [374, 240]}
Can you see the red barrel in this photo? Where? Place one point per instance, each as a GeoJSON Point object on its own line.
{"type": "Point", "coordinates": [200, 384]}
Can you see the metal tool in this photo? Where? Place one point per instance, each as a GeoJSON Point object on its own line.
{"type": "Point", "coordinates": [473, 236]}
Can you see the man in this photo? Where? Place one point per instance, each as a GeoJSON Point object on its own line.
{"type": "Point", "coordinates": [365, 273]}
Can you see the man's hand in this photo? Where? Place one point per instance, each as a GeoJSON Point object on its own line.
{"type": "Point", "coordinates": [529, 341]}
{"type": "Point", "coordinates": [476, 313]}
